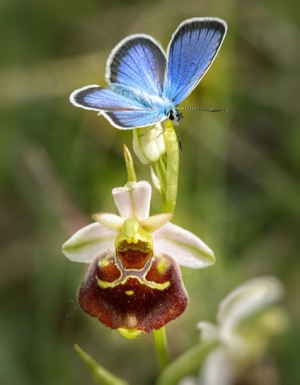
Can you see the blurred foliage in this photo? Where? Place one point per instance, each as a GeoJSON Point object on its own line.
{"type": "Point", "coordinates": [238, 188]}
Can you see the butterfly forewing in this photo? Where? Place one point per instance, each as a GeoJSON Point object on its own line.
{"type": "Point", "coordinates": [192, 49]}
{"type": "Point", "coordinates": [138, 61]}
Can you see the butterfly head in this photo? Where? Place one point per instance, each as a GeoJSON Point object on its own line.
{"type": "Point", "coordinates": [175, 116]}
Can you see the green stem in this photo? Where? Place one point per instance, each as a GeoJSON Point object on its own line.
{"type": "Point", "coordinates": [129, 165]}
{"type": "Point", "coordinates": [186, 364]}
{"type": "Point", "coordinates": [172, 169]}
{"type": "Point", "coordinates": [159, 168]}
{"type": "Point", "coordinates": [160, 341]}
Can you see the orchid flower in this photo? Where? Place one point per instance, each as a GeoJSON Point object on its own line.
{"type": "Point", "coordinates": [134, 282]}
{"type": "Point", "coordinates": [246, 322]}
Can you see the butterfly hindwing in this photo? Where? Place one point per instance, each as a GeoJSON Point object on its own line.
{"type": "Point", "coordinates": [134, 119]}
{"type": "Point", "coordinates": [138, 61]}
{"type": "Point", "coordinates": [124, 112]}
{"type": "Point", "coordinates": [192, 49]}
{"type": "Point", "coordinates": [103, 99]}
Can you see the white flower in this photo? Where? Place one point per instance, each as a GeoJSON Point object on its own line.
{"type": "Point", "coordinates": [240, 345]}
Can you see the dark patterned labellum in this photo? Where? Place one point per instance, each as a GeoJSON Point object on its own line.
{"type": "Point", "coordinates": [133, 290]}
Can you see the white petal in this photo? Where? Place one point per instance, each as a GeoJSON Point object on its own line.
{"type": "Point", "coordinates": [217, 369]}
{"type": "Point", "coordinates": [89, 242]}
{"type": "Point", "coordinates": [183, 246]}
{"type": "Point", "coordinates": [133, 202]}
{"type": "Point", "coordinates": [209, 331]}
{"type": "Point", "coordinates": [249, 298]}
{"type": "Point", "coordinates": [154, 222]}
{"type": "Point", "coordinates": [111, 221]}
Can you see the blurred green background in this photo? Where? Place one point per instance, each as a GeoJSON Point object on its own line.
{"type": "Point", "coordinates": [238, 186]}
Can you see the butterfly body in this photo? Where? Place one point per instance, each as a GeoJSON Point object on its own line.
{"type": "Point", "coordinates": [155, 103]}
{"type": "Point", "coordinates": [144, 84]}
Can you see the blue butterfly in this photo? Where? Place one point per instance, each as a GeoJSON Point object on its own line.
{"type": "Point", "coordinates": [144, 86]}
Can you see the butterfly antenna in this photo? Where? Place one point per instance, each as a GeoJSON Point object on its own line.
{"type": "Point", "coordinates": [178, 136]}
{"type": "Point", "coordinates": [202, 109]}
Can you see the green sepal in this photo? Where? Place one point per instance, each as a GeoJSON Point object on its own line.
{"type": "Point", "coordinates": [166, 169]}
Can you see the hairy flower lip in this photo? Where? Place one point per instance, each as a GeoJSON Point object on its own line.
{"type": "Point", "coordinates": [133, 300]}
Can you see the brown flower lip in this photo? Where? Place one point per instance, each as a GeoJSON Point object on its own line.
{"type": "Point", "coordinates": [144, 299]}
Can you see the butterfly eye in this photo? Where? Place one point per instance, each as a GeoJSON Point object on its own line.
{"type": "Point", "coordinates": [175, 116]}
{"type": "Point", "coordinates": [171, 115]}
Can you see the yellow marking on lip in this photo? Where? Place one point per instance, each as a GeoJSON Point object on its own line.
{"type": "Point", "coordinates": [152, 285]}
{"type": "Point", "coordinates": [104, 262]}
{"type": "Point", "coordinates": [129, 333]}
{"type": "Point", "coordinates": [129, 292]}
{"type": "Point", "coordinates": [161, 267]}
{"type": "Point", "coordinates": [105, 284]}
